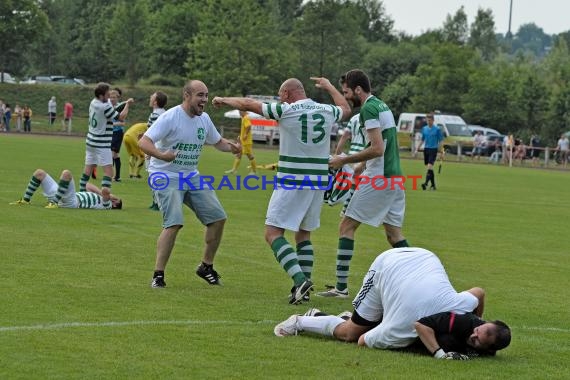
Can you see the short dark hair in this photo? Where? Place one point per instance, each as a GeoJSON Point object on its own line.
{"type": "Point", "coordinates": [354, 78]}
{"type": "Point", "coordinates": [119, 91]}
{"type": "Point", "coordinates": [117, 205]}
{"type": "Point", "coordinates": [502, 336]}
{"type": "Point", "coordinates": [161, 99]}
{"type": "Point", "coordinates": [101, 89]}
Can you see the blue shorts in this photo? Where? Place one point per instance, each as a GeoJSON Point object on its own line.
{"type": "Point", "coordinates": [204, 203]}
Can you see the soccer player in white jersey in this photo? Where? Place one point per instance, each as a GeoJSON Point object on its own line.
{"type": "Point", "coordinates": [401, 286]}
{"type": "Point", "coordinates": [175, 142]}
{"type": "Point", "coordinates": [304, 147]}
{"type": "Point", "coordinates": [369, 204]}
{"type": "Point", "coordinates": [99, 136]}
{"type": "Point", "coordinates": [63, 194]}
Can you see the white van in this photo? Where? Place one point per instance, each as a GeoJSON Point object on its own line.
{"type": "Point", "coordinates": [262, 129]}
{"type": "Point", "coordinates": [454, 129]}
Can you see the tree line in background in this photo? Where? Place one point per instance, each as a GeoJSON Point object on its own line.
{"type": "Point", "coordinates": [518, 83]}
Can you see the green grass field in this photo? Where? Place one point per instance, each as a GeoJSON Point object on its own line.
{"type": "Point", "coordinates": [76, 300]}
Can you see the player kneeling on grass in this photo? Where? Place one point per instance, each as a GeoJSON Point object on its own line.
{"type": "Point", "coordinates": [406, 295]}
{"type": "Point", "coordinates": [63, 194]}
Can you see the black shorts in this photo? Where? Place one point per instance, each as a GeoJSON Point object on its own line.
{"type": "Point", "coordinates": [116, 141]}
{"type": "Point", "coordinates": [430, 154]}
{"type": "Point", "coordinates": [535, 153]}
{"type": "Point", "coordinates": [357, 319]}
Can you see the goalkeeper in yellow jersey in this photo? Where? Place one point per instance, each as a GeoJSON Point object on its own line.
{"type": "Point", "coordinates": [136, 156]}
{"type": "Point", "coordinates": [246, 141]}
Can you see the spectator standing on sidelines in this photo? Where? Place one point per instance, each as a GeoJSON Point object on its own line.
{"type": "Point", "coordinates": [563, 147]}
{"type": "Point", "coordinates": [431, 140]}
{"type": "Point", "coordinates": [52, 110]}
{"type": "Point", "coordinates": [304, 147]}
{"type": "Point", "coordinates": [27, 115]}
{"type": "Point", "coordinates": [7, 117]}
{"type": "Point", "coordinates": [381, 157]}
{"type": "Point", "coordinates": [535, 151]}
{"type": "Point", "coordinates": [478, 145]}
{"type": "Point", "coordinates": [19, 117]}
{"type": "Point", "coordinates": [2, 109]}
{"type": "Point", "coordinates": [67, 116]}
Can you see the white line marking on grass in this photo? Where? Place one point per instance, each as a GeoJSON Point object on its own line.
{"type": "Point", "coordinates": [547, 329]}
{"type": "Point", "coordinates": [66, 325]}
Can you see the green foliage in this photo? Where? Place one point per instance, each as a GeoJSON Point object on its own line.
{"type": "Point", "coordinates": [482, 36]}
{"type": "Point", "coordinates": [166, 43]}
{"type": "Point", "coordinates": [239, 53]}
{"type": "Point", "coordinates": [77, 301]}
{"type": "Point", "coordinates": [251, 46]}
{"type": "Point", "coordinates": [444, 80]}
{"type": "Point", "coordinates": [129, 19]}
{"type": "Point", "coordinates": [455, 28]}
{"type": "Point", "coordinates": [21, 21]}
{"type": "Point", "coordinates": [494, 100]}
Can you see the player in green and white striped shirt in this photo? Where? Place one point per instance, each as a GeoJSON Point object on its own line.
{"type": "Point", "coordinates": [100, 134]}
{"type": "Point", "coordinates": [370, 204]}
{"type": "Point", "coordinates": [304, 147]}
{"type": "Point", "coordinates": [63, 194]}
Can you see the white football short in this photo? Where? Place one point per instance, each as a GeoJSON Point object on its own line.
{"type": "Point", "coordinates": [98, 156]}
{"type": "Point", "coordinates": [372, 206]}
{"type": "Point", "coordinates": [50, 186]}
{"type": "Point", "coordinates": [295, 209]}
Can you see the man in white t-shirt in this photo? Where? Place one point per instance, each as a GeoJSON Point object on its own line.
{"type": "Point", "coordinates": [401, 286]}
{"type": "Point", "coordinates": [174, 142]}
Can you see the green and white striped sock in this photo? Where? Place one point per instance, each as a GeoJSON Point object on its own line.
{"type": "Point", "coordinates": [106, 182]}
{"type": "Point", "coordinates": [288, 260]}
{"type": "Point", "coordinates": [83, 182]}
{"type": "Point", "coordinates": [61, 190]}
{"type": "Point", "coordinates": [31, 189]}
{"type": "Point", "coordinates": [343, 257]}
{"type": "Point", "coordinates": [305, 256]}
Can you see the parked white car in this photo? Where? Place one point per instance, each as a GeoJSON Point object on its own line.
{"type": "Point", "coordinates": [7, 78]}
{"type": "Point", "coordinates": [484, 131]}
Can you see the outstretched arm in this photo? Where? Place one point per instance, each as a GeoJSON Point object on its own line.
{"type": "Point", "coordinates": [242, 104]}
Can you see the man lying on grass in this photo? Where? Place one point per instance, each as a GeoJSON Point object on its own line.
{"type": "Point", "coordinates": [406, 295]}
{"type": "Point", "coordinates": [63, 194]}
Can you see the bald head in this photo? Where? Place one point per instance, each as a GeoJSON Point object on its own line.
{"type": "Point", "coordinates": [292, 90]}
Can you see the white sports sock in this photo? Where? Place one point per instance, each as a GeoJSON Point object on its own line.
{"type": "Point", "coordinates": [323, 325]}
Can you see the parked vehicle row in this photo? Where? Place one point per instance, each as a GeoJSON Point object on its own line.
{"type": "Point", "coordinates": [45, 79]}
{"type": "Point", "coordinates": [453, 127]}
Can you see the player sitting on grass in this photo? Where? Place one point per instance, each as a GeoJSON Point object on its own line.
{"type": "Point", "coordinates": [64, 194]}
{"type": "Point", "coordinates": [406, 294]}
